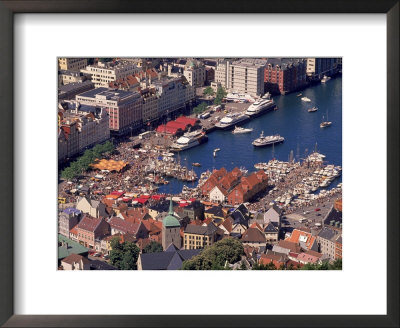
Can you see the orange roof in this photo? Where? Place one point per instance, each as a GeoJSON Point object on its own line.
{"type": "Point", "coordinates": [308, 238]}
{"type": "Point", "coordinates": [109, 165]}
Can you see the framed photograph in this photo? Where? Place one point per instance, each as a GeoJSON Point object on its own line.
{"type": "Point", "coordinates": [200, 145]}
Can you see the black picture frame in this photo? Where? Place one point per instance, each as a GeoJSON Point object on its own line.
{"type": "Point", "coordinates": [7, 11]}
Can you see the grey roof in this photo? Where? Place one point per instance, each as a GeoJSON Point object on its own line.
{"type": "Point", "coordinates": [171, 248]}
{"type": "Point", "coordinates": [328, 233]}
{"type": "Point", "coordinates": [270, 228]}
{"type": "Point", "coordinates": [215, 210]}
{"type": "Point", "coordinates": [194, 205]}
{"type": "Point", "coordinates": [162, 206]}
{"type": "Point", "coordinates": [107, 92]}
{"type": "Point", "coordinates": [195, 229]}
{"type": "Point", "coordinates": [100, 265]}
{"type": "Point", "coordinates": [75, 86]}
{"type": "Point", "coordinates": [334, 215]}
{"type": "Point", "coordinates": [167, 260]}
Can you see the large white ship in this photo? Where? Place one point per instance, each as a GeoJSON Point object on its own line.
{"type": "Point", "coordinates": [230, 120]}
{"type": "Point", "coordinates": [260, 106]}
{"type": "Point", "coordinates": [268, 140]}
{"type": "Point", "coordinates": [189, 140]}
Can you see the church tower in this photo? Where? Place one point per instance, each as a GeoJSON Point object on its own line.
{"type": "Point", "coordinates": [171, 229]}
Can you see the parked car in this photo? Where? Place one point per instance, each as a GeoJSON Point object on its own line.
{"type": "Point", "coordinates": [317, 209]}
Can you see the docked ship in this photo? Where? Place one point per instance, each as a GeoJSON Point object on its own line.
{"type": "Point", "coordinates": [314, 109]}
{"type": "Point", "coordinates": [189, 140]}
{"type": "Point", "coordinates": [260, 106]}
{"type": "Point", "coordinates": [239, 130]}
{"type": "Point", "coordinates": [306, 99]}
{"type": "Point", "coordinates": [325, 79]}
{"type": "Point", "coordinates": [267, 140]}
{"type": "Point", "coordinates": [230, 120]}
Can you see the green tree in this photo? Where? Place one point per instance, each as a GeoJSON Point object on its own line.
{"type": "Point", "coordinates": [200, 108]}
{"type": "Point", "coordinates": [153, 247]}
{"type": "Point", "coordinates": [215, 257]}
{"type": "Point", "coordinates": [124, 255]}
{"type": "Point", "coordinates": [208, 91]}
{"type": "Point", "coordinates": [221, 94]}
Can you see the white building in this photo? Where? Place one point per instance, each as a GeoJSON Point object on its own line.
{"type": "Point", "coordinates": [72, 64]}
{"type": "Point", "coordinates": [104, 73]}
{"type": "Point", "coordinates": [217, 195]}
{"type": "Point", "coordinates": [244, 76]}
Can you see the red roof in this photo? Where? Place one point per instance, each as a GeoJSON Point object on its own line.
{"type": "Point", "coordinates": [89, 223]}
{"type": "Point", "coordinates": [166, 129]}
{"type": "Point", "coordinates": [187, 120]}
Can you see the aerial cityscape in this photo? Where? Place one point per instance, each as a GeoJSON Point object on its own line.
{"type": "Point", "coordinates": [199, 163]}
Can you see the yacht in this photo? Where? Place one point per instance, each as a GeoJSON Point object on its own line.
{"type": "Point", "coordinates": [314, 109]}
{"type": "Point", "coordinates": [325, 79]}
{"type": "Point", "coordinates": [239, 130]}
{"type": "Point", "coordinates": [268, 140]}
{"type": "Point", "coordinates": [260, 106]}
{"type": "Point", "coordinates": [189, 140]}
{"type": "Point", "coordinates": [233, 96]}
{"type": "Point", "coordinates": [306, 99]}
{"type": "Point", "coordinates": [230, 120]}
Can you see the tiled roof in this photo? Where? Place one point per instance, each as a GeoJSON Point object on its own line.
{"type": "Point", "coordinates": [89, 223]}
{"type": "Point", "coordinates": [253, 235]}
{"type": "Point", "coordinates": [302, 237]}
{"type": "Point", "coordinates": [293, 247]}
{"type": "Point", "coordinates": [74, 258]}
{"type": "Point", "coordinates": [122, 225]}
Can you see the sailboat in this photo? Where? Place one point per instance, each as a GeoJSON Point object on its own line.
{"type": "Point", "coordinates": [325, 124]}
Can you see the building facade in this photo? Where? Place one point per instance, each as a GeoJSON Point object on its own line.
{"type": "Point", "coordinates": [104, 73]}
{"type": "Point", "coordinates": [318, 67]}
{"type": "Point", "coordinates": [124, 108]}
{"type": "Point", "coordinates": [71, 64]}
{"type": "Point", "coordinates": [244, 76]}
{"type": "Point", "coordinates": [285, 75]}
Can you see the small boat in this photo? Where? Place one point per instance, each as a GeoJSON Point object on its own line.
{"type": "Point", "coordinates": [325, 124]}
{"type": "Point", "coordinates": [314, 109]}
{"type": "Point", "coordinates": [196, 164]}
{"type": "Point", "coordinates": [306, 99]}
{"type": "Point", "coordinates": [325, 79]}
{"type": "Point", "coordinates": [239, 130]}
{"type": "Point", "coordinates": [217, 149]}
{"type": "Point", "coordinates": [299, 95]}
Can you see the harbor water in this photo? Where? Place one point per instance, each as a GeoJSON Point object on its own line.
{"type": "Point", "coordinates": [300, 128]}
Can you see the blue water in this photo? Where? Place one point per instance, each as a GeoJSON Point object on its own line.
{"type": "Point", "coordinates": [292, 121]}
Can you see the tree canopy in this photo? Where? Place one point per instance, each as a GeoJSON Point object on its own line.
{"type": "Point", "coordinates": [216, 256]}
{"type": "Point", "coordinates": [82, 163]}
{"type": "Point", "coordinates": [221, 94]}
{"type": "Point", "coordinates": [124, 255]}
{"type": "Point", "coordinates": [208, 91]}
{"type": "Point", "coordinates": [153, 247]}
{"type": "Point", "coordinates": [200, 108]}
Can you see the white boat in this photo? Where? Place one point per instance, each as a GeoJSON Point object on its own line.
{"type": "Point", "coordinates": [305, 99]}
{"type": "Point", "coordinates": [268, 140]}
{"type": "Point", "coordinates": [325, 79]}
{"type": "Point", "coordinates": [233, 96]}
{"type": "Point", "coordinates": [314, 109]}
{"type": "Point", "coordinates": [189, 140]}
{"type": "Point", "coordinates": [260, 106]}
{"type": "Point", "coordinates": [239, 130]}
{"type": "Point", "coordinates": [230, 120]}
{"type": "Point", "coordinates": [325, 124]}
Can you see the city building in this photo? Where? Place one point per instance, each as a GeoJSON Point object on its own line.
{"type": "Point", "coordinates": [195, 73]}
{"type": "Point", "coordinates": [70, 90]}
{"type": "Point", "coordinates": [174, 94]}
{"type": "Point", "coordinates": [305, 239]}
{"type": "Point", "coordinates": [79, 130]}
{"type": "Point", "coordinates": [318, 67]}
{"type": "Point", "coordinates": [248, 187]}
{"type": "Point", "coordinates": [67, 77]}
{"type": "Point", "coordinates": [253, 237]}
{"type": "Point", "coordinates": [91, 229]}
{"type": "Point", "coordinates": [245, 75]}
{"type": "Point", "coordinates": [71, 64]}
{"type": "Point", "coordinates": [194, 211]}
{"type": "Point", "coordinates": [92, 207]}
{"type": "Point", "coordinates": [171, 229]}
{"type": "Point", "coordinates": [124, 107]}
{"type": "Point", "coordinates": [284, 75]}
{"type": "Point", "coordinates": [75, 262]}
{"type": "Point", "coordinates": [67, 247]}
{"type": "Point", "coordinates": [196, 236]}
{"type": "Point", "coordinates": [328, 243]}
{"type": "Point", "coordinates": [67, 219]}
{"type": "Point", "coordinates": [102, 74]}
